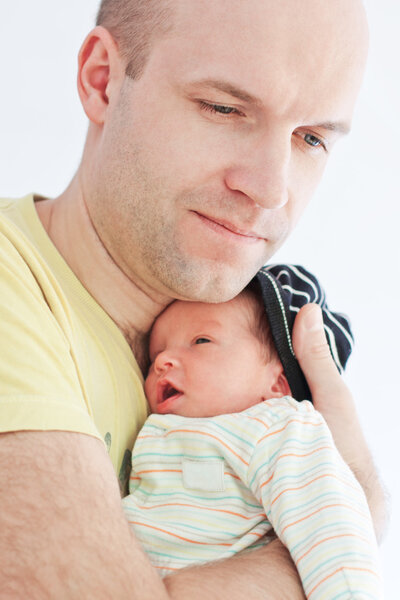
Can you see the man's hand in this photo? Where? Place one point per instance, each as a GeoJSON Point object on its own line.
{"type": "Point", "coordinates": [333, 400]}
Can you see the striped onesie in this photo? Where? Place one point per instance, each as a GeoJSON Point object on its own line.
{"type": "Point", "coordinates": [203, 489]}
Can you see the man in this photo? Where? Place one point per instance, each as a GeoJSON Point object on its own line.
{"type": "Point", "coordinates": [210, 126]}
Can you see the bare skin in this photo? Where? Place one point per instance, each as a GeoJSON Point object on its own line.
{"type": "Point", "coordinates": [145, 221]}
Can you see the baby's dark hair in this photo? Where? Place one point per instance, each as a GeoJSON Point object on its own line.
{"type": "Point", "coordinates": [258, 321]}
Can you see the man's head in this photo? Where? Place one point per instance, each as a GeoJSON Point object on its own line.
{"type": "Point", "coordinates": [211, 359]}
{"type": "Point", "coordinates": [136, 25]}
{"type": "Point", "coordinates": [198, 167]}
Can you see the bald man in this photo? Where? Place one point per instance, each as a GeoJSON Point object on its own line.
{"type": "Point", "coordinates": [210, 127]}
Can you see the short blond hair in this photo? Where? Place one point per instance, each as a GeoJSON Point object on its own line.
{"type": "Point", "coordinates": [135, 24]}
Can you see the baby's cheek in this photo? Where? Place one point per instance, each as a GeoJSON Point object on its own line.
{"type": "Point", "coordinates": [149, 386]}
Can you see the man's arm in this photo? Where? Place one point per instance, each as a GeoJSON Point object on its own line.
{"type": "Point", "coordinates": [64, 535]}
{"type": "Point", "coordinates": [264, 574]}
{"type": "Point", "coordinates": [333, 400]}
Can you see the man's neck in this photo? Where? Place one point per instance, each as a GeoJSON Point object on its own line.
{"type": "Point", "coordinates": [68, 224]}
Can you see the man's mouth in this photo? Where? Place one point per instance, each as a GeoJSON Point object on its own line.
{"type": "Point", "coordinates": [166, 391]}
{"type": "Point", "coordinates": [245, 235]}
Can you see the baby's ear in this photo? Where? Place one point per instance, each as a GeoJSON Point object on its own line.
{"type": "Point", "coordinates": [280, 387]}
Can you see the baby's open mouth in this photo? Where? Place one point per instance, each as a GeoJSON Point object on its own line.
{"type": "Point", "coordinates": [166, 391]}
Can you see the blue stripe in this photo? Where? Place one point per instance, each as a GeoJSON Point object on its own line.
{"type": "Point", "coordinates": [265, 464]}
{"type": "Point", "coordinates": [363, 594]}
{"type": "Point", "coordinates": [298, 507]}
{"type": "Point", "coordinates": [329, 526]}
{"type": "Point", "coordinates": [184, 496]}
{"type": "Point", "coordinates": [235, 435]}
{"type": "Point", "coordinates": [336, 558]}
{"type": "Point", "coordinates": [177, 455]}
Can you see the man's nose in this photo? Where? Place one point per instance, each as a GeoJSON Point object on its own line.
{"type": "Point", "coordinates": [261, 171]}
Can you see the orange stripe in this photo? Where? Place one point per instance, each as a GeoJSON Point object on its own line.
{"type": "Point", "coordinates": [290, 421]}
{"type": "Point", "coordinates": [260, 421]}
{"type": "Point", "coordinates": [333, 537]}
{"type": "Point", "coordinates": [307, 453]}
{"type": "Point", "coordinates": [259, 535]}
{"type": "Point", "coordinates": [195, 506]}
{"type": "Point", "coordinates": [179, 536]}
{"type": "Point", "coordinates": [232, 475]}
{"type": "Point", "coordinates": [317, 511]}
{"type": "Point", "coordinates": [193, 431]}
{"type": "Point", "coordinates": [338, 571]}
{"type": "Point", "coordinates": [268, 480]}
{"type": "Point", "coordinates": [305, 485]}
{"type": "Point", "coordinates": [173, 471]}
{"type": "Point", "coordinates": [168, 568]}
{"type": "Point", "coordinates": [160, 471]}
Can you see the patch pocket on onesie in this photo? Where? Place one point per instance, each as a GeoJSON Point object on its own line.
{"type": "Point", "coordinates": [206, 475]}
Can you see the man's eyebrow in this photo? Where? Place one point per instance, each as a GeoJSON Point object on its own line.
{"type": "Point", "coordinates": [228, 88]}
{"type": "Point", "coordinates": [237, 92]}
{"type": "Point", "coordinates": [335, 126]}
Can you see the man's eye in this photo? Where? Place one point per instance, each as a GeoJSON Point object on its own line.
{"type": "Point", "coordinates": [202, 340]}
{"type": "Point", "coordinates": [312, 140]}
{"type": "Point", "coordinates": [218, 108]}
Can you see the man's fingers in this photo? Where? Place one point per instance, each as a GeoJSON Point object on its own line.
{"type": "Point", "coordinates": [313, 353]}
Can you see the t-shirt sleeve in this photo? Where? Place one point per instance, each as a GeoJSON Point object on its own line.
{"type": "Point", "coordinates": [316, 507]}
{"type": "Point", "coordinates": [40, 387]}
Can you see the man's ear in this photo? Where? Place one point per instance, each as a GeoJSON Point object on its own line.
{"type": "Point", "coordinates": [101, 70]}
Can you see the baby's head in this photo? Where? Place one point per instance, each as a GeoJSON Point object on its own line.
{"type": "Point", "coordinates": [211, 359]}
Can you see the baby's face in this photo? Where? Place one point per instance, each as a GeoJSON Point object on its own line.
{"type": "Point", "coordinates": [205, 361]}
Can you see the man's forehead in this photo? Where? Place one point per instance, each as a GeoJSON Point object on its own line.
{"type": "Point", "coordinates": [312, 48]}
{"type": "Point", "coordinates": [288, 15]}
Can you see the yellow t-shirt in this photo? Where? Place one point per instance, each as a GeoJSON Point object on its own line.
{"type": "Point", "coordinates": [64, 364]}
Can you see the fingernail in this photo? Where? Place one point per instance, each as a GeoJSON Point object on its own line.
{"type": "Point", "coordinates": [313, 319]}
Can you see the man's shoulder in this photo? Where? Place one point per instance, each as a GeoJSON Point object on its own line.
{"type": "Point", "coordinates": [17, 224]}
{"type": "Point", "coordinates": [24, 249]}
{"type": "Point", "coordinates": [16, 210]}
{"type": "Point", "coordinates": [15, 248]}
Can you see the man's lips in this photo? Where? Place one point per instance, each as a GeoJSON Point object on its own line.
{"type": "Point", "coordinates": [221, 224]}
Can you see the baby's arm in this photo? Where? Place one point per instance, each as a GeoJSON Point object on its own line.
{"type": "Point", "coordinates": [316, 506]}
{"type": "Point", "coordinates": [333, 400]}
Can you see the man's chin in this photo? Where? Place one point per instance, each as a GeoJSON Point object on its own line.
{"type": "Point", "coordinates": [216, 287]}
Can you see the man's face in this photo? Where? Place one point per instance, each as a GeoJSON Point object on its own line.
{"type": "Point", "coordinates": [208, 160]}
{"type": "Point", "coordinates": [206, 361]}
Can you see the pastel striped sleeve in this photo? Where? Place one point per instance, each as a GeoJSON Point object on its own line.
{"type": "Point", "coordinates": [316, 507]}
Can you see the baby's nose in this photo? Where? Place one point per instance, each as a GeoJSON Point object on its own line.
{"type": "Point", "coordinates": [163, 362]}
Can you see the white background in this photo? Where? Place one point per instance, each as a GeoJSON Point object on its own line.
{"type": "Point", "coordinates": [349, 235]}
